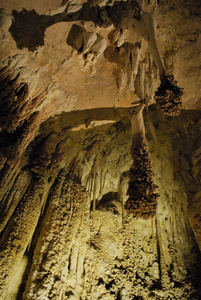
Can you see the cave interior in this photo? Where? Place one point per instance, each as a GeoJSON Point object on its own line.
{"type": "Point", "coordinates": [100, 150]}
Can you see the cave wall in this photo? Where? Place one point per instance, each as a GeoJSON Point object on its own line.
{"type": "Point", "coordinates": [77, 253]}
{"type": "Point", "coordinates": [69, 76]}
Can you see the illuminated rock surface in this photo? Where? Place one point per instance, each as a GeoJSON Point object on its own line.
{"type": "Point", "coordinates": [69, 75]}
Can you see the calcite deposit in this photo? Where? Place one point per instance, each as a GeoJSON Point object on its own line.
{"type": "Point", "coordinates": [80, 132]}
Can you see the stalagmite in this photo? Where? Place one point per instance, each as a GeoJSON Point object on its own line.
{"type": "Point", "coordinates": [17, 234]}
{"type": "Point", "coordinates": [55, 254]}
{"type": "Point", "coordinates": [142, 197]}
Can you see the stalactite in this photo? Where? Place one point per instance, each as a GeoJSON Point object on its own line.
{"type": "Point", "coordinates": [9, 175]}
{"type": "Point", "coordinates": [168, 96]}
{"type": "Point", "coordinates": [149, 22]}
{"type": "Point", "coordinates": [16, 158]}
{"type": "Point", "coordinates": [14, 196]}
{"type": "Point", "coordinates": [152, 129]}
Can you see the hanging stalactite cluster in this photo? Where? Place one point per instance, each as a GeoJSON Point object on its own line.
{"type": "Point", "coordinates": [168, 96]}
{"type": "Point", "coordinates": [142, 200]}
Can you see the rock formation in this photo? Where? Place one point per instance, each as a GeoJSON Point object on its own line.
{"type": "Point", "coordinates": [70, 74]}
{"type": "Point", "coordinates": [142, 200]}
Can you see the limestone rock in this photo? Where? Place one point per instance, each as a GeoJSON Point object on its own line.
{"type": "Point", "coordinates": [70, 73]}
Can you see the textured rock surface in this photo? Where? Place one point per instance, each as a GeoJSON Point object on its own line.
{"type": "Point", "coordinates": [109, 253]}
{"type": "Point", "coordinates": [70, 73]}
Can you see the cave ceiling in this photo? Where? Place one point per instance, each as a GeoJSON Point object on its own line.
{"type": "Point", "coordinates": [82, 59]}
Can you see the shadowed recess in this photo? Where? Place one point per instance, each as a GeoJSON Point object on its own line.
{"type": "Point", "coordinates": [28, 28]}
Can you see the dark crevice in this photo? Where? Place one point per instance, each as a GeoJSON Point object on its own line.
{"type": "Point", "coordinates": [100, 281]}
{"type": "Point", "coordinates": [110, 284]}
{"type": "Point", "coordinates": [107, 198]}
{"type": "Point", "coordinates": [119, 295]}
{"type": "Point", "coordinates": [158, 252]}
{"type": "Point", "coordinates": [23, 282]}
